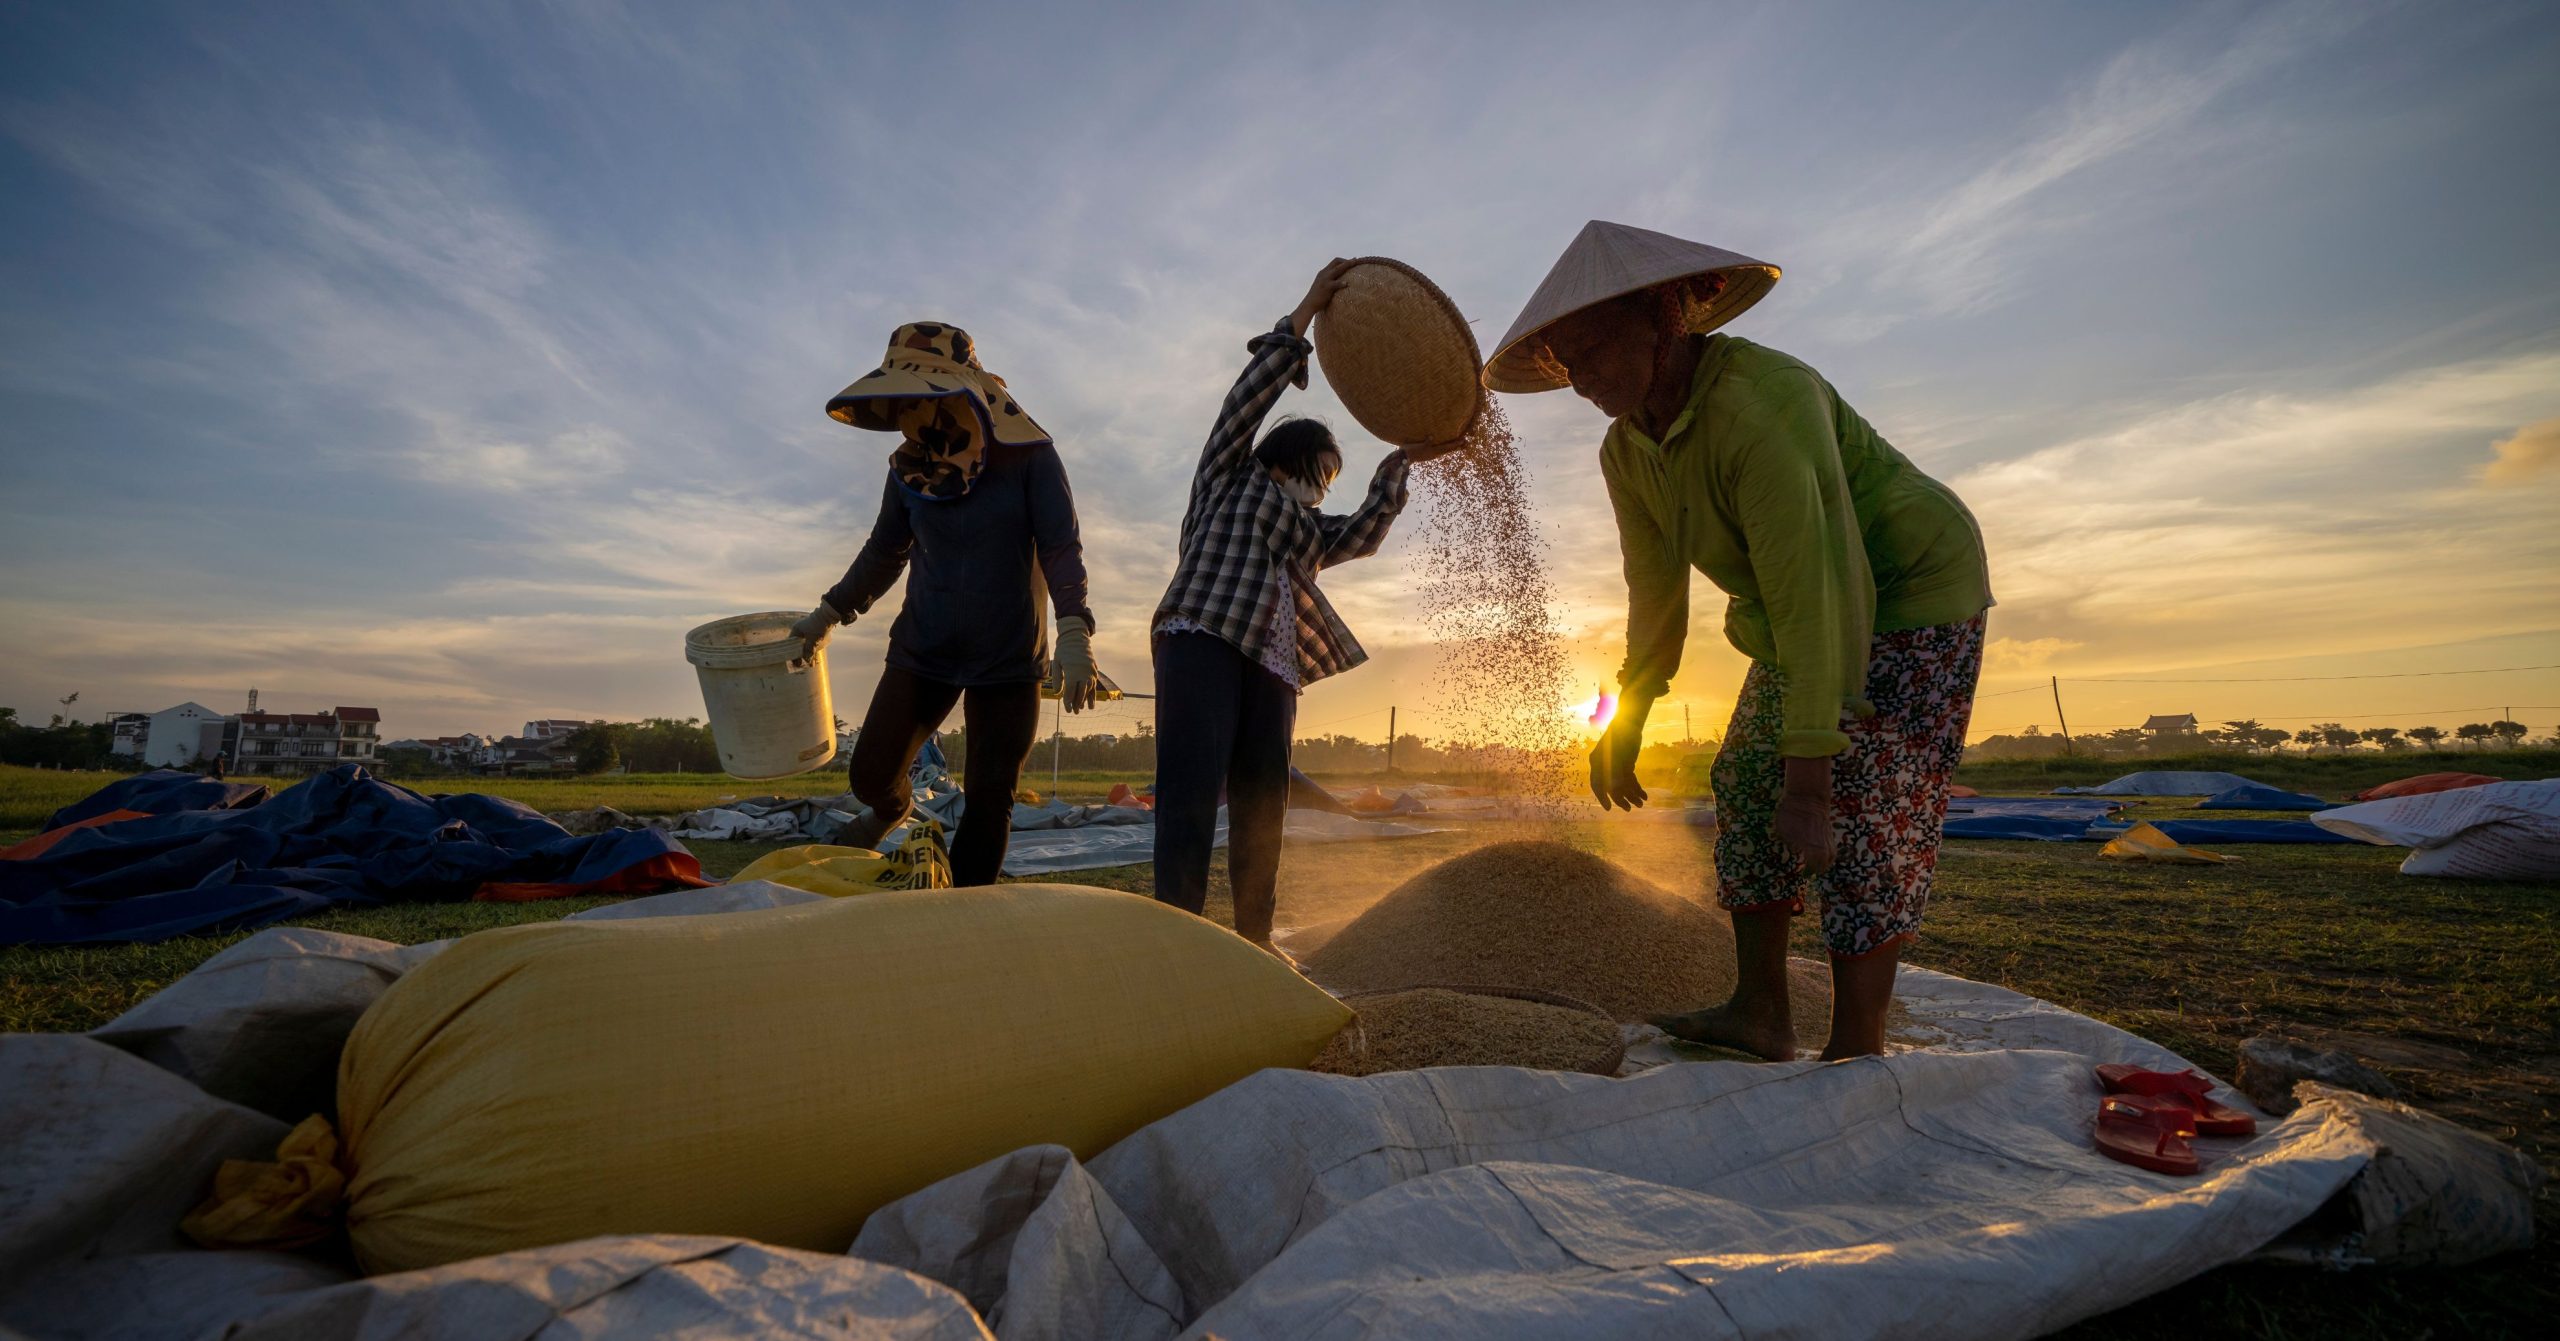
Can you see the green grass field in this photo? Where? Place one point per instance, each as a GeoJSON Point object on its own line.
{"type": "Point", "coordinates": [2446, 986]}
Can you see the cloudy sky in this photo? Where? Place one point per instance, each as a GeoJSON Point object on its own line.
{"type": "Point", "coordinates": [458, 361]}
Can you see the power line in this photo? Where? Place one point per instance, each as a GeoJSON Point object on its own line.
{"type": "Point", "coordinates": [2305, 679]}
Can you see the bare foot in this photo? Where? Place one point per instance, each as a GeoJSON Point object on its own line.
{"type": "Point", "coordinates": [1766, 1034]}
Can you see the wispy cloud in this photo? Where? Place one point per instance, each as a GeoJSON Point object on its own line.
{"type": "Point", "coordinates": [476, 376]}
{"type": "Point", "coordinates": [2530, 453]}
{"type": "Point", "coordinates": [1958, 249]}
{"type": "Point", "coordinates": [2255, 522]}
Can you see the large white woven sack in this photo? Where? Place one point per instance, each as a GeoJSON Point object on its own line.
{"type": "Point", "coordinates": [2496, 831]}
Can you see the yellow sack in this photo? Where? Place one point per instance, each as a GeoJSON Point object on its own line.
{"type": "Point", "coordinates": [922, 862]}
{"type": "Point", "coordinates": [2145, 842]}
{"type": "Point", "coordinates": [290, 1203]}
{"type": "Point", "coordinates": [778, 1075]}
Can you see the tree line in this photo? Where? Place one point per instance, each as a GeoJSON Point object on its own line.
{"type": "Point", "coordinates": [2248, 735]}
{"type": "Point", "coordinates": [60, 743]}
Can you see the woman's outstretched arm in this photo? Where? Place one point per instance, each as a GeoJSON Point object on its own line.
{"type": "Point", "coordinates": [883, 557]}
{"type": "Point", "coordinates": [1358, 535]}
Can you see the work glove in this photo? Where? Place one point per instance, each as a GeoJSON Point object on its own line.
{"type": "Point", "coordinates": [1076, 672]}
{"type": "Point", "coordinates": [1613, 760]}
{"type": "Point", "coordinates": [815, 628]}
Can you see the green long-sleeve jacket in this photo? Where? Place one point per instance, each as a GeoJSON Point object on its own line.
{"type": "Point", "coordinates": [1821, 533]}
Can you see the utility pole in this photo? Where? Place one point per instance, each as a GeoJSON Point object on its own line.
{"type": "Point", "coordinates": [1391, 738]}
{"type": "Point", "coordinates": [1687, 736]}
{"type": "Point", "coordinates": [2056, 682]}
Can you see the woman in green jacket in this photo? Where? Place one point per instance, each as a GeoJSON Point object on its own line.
{"type": "Point", "coordinates": [1855, 583]}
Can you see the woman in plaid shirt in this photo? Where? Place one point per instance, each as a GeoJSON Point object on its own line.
{"type": "Point", "coordinates": [1243, 628]}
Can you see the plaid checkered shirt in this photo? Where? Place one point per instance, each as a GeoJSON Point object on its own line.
{"type": "Point", "coordinates": [1241, 535]}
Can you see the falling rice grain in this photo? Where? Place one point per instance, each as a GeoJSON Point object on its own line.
{"type": "Point", "coordinates": [1504, 678]}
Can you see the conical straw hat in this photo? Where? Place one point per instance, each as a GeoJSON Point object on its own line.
{"type": "Point", "coordinates": [1399, 354]}
{"type": "Point", "coordinates": [1607, 260]}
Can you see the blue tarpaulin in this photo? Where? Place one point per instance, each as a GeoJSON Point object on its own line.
{"type": "Point", "coordinates": [2162, 784]}
{"type": "Point", "coordinates": [2057, 819]}
{"type": "Point", "coordinates": [2074, 819]}
{"type": "Point", "coordinates": [162, 791]}
{"type": "Point", "coordinates": [2208, 833]}
{"type": "Point", "coordinates": [2038, 827]}
{"type": "Point", "coordinates": [344, 838]}
{"type": "Point", "coordinates": [2043, 807]}
{"type": "Point", "coordinates": [2256, 797]}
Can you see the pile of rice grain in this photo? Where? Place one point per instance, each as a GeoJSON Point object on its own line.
{"type": "Point", "coordinates": [1555, 918]}
{"type": "Point", "coordinates": [1433, 1026]}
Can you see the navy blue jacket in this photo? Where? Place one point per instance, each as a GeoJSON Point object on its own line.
{"type": "Point", "coordinates": [975, 565]}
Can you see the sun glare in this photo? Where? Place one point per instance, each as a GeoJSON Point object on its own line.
{"type": "Point", "coordinates": [1597, 709]}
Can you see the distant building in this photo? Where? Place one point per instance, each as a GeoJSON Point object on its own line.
{"type": "Point", "coordinates": [2165, 726]}
{"type": "Point", "coordinates": [551, 728]}
{"type": "Point", "coordinates": [126, 732]}
{"type": "Point", "coordinates": [521, 754]}
{"type": "Point", "coordinates": [292, 744]}
{"type": "Point", "coordinates": [458, 753]}
{"type": "Point", "coordinates": [170, 738]}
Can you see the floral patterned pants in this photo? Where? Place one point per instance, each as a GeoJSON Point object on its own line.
{"type": "Point", "coordinates": [1888, 791]}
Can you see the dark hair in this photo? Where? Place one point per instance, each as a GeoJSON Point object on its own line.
{"type": "Point", "coordinates": [1296, 448]}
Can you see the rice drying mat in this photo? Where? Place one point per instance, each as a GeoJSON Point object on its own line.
{"type": "Point", "coordinates": [1603, 1059]}
{"type": "Point", "coordinates": [1399, 355]}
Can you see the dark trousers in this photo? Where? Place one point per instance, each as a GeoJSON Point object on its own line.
{"type": "Point", "coordinates": [1001, 720]}
{"type": "Point", "coordinates": [1221, 721]}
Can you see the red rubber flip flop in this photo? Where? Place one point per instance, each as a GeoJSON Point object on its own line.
{"type": "Point", "coordinates": [2148, 1133]}
{"type": "Point", "coordinates": [2185, 1087]}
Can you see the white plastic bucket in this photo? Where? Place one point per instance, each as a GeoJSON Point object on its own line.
{"type": "Point", "coordinates": [771, 715]}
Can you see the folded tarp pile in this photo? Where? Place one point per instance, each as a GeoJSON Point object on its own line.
{"type": "Point", "coordinates": [818, 819]}
{"type": "Point", "coordinates": [162, 791]}
{"type": "Point", "coordinates": [2234, 831]}
{"type": "Point", "coordinates": [2421, 784]}
{"type": "Point", "coordinates": [2160, 783]}
{"type": "Point", "coordinates": [2089, 819]}
{"type": "Point", "coordinates": [342, 838]}
{"type": "Point", "coordinates": [2051, 819]}
{"type": "Point", "coordinates": [1096, 843]}
{"type": "Point", "coordinates": [1951, 1191]}
{"type": "Point", "coordinates": [2258, 796]}
{"type": "Point", "coordinates": [2496, 831]}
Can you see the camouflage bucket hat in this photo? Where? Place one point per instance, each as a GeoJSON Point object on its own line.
{"type": "Point", "coordinates": [945, 408]}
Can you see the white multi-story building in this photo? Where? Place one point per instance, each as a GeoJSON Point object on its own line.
{"type": "Point", "coordinates": [294, 743]}
{"type": "Point", "coordinates": [551, 728]}
{"type": "Point", "coordinates": [172, 737]}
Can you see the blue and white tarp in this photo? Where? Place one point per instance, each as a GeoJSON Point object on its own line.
{"type": "Point", "coordinates": [2256, 797]}
{"type": "Point", "coordinates": [2042, 818]}
{"type": "Point", "coordinates": [344, 838]}
{"type": "Point", "coordinates": [2163, 784]}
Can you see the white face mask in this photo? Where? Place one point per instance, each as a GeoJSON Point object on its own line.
{"type": "Point", "coordinates": [1308, 493]}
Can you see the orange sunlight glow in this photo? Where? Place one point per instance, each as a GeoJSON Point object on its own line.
{"type": "Point", "coordinates": [1597, 709]}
